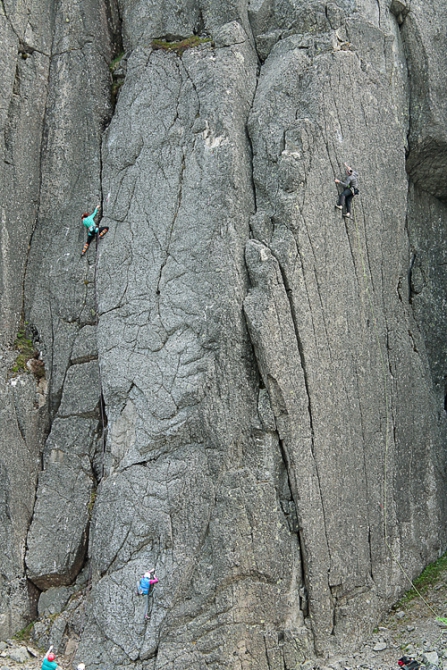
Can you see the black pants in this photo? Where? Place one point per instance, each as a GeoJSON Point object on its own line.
{"type": "Point", "coordinates": [91, 236]}
{"type": "Point", "coordinates": [346, 196]}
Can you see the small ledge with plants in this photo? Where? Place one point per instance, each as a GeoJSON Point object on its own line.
{"type": "Point", "coordinates": [28, 358]}
{"type": "Point", "coordinates": [180, 46]}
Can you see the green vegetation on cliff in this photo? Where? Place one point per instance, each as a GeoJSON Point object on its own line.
{"type": "Point", "coordinates": [180, 47]}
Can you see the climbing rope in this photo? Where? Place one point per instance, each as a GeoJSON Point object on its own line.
{"type": "Point", "coordinates": [387, 414]}
{"type": "Point", "coordinates": [101, 397]}
{"type": "Point", "coordinates": [101, 409]}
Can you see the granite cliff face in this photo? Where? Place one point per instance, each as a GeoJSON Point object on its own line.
{"type": "Point", "coordinates": [242, 388]}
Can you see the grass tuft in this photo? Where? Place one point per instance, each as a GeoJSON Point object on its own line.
{"type": "Point", "coordinates": [117, 77]}
{"type": "Point", "coordinates": [91, 503]}
{"type": "Point", "coordinates": [427, 579]}
{"type": "Point", "coordinates": [24, 635]}
{"type": "Point", "coordinates": [26, 351]}
{"type": "Point", "coordinates": [116, 61]}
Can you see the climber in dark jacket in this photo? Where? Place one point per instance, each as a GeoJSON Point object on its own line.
{"type": "Point", "coordinates": [350, 189]}
{"type": "Point", "coordinates": [89, 222]}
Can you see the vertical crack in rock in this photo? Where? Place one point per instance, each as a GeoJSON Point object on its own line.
{"type": "Point", "coordinates": [288, 291]}
{"type": "Point", "coordinates": [272, 331]}
{"type": "Point", "coordinates": [303, 602]}
{"type": "Point", "coordinates": [174, 219]}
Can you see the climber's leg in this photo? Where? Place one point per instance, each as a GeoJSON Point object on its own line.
{"type": "Point", "coordinates": [348, 202]}
{"type": "Point", "coordinates": [146, 606]}
{"type": "Point", "coordinates": [90, 238]}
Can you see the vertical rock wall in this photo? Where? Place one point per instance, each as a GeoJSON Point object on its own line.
{"type": "Point", "coordinates": [60, 288]}
{"type": "Point", "coordinates": [56, 94]}
{"type": "Point", "coordinates": [270, 375]}
{"type": "Point", "coordinates": [25, 35]}
{"type": "Point", "coordinates": [340, 283]}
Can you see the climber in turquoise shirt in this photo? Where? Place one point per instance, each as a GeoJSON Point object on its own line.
{"type": "Point", "coordinates": [89, 222]}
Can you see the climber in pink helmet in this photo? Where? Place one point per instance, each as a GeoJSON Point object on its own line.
{"type": "Point", "coordinates": [49, 660]}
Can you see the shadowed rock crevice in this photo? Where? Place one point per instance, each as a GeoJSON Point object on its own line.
{"type": "Point", "coordinates": [423, 38]}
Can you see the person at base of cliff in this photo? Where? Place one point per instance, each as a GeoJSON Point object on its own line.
{"type": "Point", "coordinates": [89, 222]}
{"type": "Point", "coordinates": [350, 189]}
{"type": "Point", "coordinates": [49, 660]}
{"type": "Point", "coordinates": [144, 588]}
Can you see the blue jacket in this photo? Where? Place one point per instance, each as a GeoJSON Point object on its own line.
{"type": "Point", "coordinates": [145, 585]}
{"type": "Point", "coordinates": [48, 665]}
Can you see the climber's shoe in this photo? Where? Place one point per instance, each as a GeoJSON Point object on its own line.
{"type": "Point", "coordinates": [103, 232]}
{"type": "Point", "coordinates": [339, 207]}
{"type": "Point", "coordinates": [347, 215]}
{"type": "Point", "coordinates": [86, 246]}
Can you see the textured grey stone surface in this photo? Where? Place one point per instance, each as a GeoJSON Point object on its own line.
{"type": "Point", "coordinates": [354, 333]}
{"type": "Point", "coordinates": [65, 315]}
{"type": "Point", "coordinates": [55, 100]}
{"type": "Point", "coordinates": [19, 655]}
{"type": "Point", "coordinates": [272, 331]}
{"type": "Point", "coordinates": [22, 426]}
{"type": "Point", "coordinates": [25, 33]}
{"type": "Point", "coordinates": [53, 600]}
{"type": "Point", "coordinates": [307, 355]}
{"type": "Point", "coordinates": [81, 390]}
{"type": "Point", "coordinates": [245, 390]}
{"type": "Point", "coordinates": [58, 535]}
